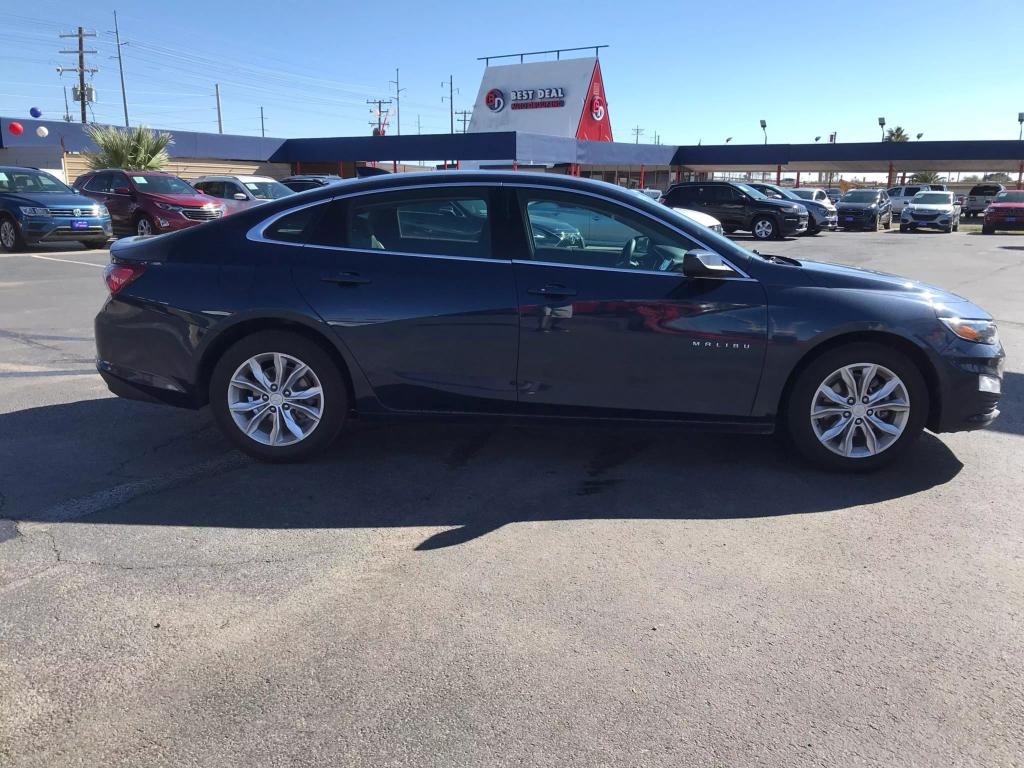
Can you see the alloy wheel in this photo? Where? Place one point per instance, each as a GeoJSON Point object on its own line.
{"type": "Point", "coordinates": [144, 228]}
{"type": "Point", "coordinates": [763, 229]}
{"type": "Point", "coordinates": [8, 235]}
{"type": "Point", "coordinates": [275, 399]}
{"type": "Point", "coordinates": [860, 410]}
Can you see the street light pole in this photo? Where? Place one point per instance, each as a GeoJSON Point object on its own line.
{"type": "Point", "coordinates": [881, 124]}
{"type": "Point", "coordinates": [764, 127]}
{"type": "Point", "coordinates": [1020, 119]}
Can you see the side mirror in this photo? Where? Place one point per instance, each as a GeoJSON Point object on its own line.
{"type": "Point", "coordinates": [700, 263]}
{"type": "Point", "coordinates": [239, 196]}
{"type": "Point", "coordinates": [122, 190]}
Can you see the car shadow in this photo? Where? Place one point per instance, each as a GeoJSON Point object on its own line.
{"type": "Point", "coordinates": [118, 462]}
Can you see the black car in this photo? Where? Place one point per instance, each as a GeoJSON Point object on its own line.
{"type": "Point", "coordinates": [740, 207]}
{"type": "Point", "coordinates": [819, 215]}
{"type": "Point", "coordinates": [865, 209]}
{"type": "Point", "coordinates": [306, 181]}
{"type": "Point", "coordinates": [289, 317]}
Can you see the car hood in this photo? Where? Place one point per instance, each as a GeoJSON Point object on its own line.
{"type": "Point", "coordinates": [51, 200]}
{"type": "Point", "coordinates": [189, 200]}
{"type": "Point", "coordinates": [698, 216]}
{"type": "Point", "coordinates": [1007, 206]}
{"type": "Point", "coordinates": [942, 208]}
{"type": "Point", "coordinates": [851, 278]}
{"type": "Point", "coordinates": [784, 204]}
{"type": "Point", "coordinates": [854, 206]}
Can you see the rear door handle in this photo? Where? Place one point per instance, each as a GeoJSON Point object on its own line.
{"type": "Point", "coordinates": [345, 278]}
{"type": "Point", "coordinates": [553, 290]}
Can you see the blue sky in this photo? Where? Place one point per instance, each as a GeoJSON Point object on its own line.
{"type": "Point", "coordinates": [687, 71]}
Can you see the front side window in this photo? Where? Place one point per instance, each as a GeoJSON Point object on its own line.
{"type": "Point", "coordinates": [911, 191]}
{"type": "Point", "coordinates": [582, 231]}
{"type": "Point", "coordinates": [99, 183]}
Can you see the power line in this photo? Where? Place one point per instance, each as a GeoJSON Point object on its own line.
{"type": "Point", "coordinates": [120, 69]}
{"type": "Point", "coordinates": [637, 133]}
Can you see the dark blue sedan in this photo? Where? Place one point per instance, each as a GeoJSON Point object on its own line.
{"type": "Point", "coordinates": [432, 294]}
{"type": "Point", "coordinates": [35, 207]}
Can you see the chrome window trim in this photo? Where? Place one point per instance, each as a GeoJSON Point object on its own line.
{"type": "Point", "coordinates": [677, 230]}
{"type": "Point", "coordinates": [676, 275]}
{"type": "Point", "coordinates": [384, 251]}
{"type": "Point", "coordinates": [255, 233]}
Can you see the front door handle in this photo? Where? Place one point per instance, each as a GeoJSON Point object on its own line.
{"type": "Point", "coordinates": [345, 278]}
{"type": "Point", "coordinates": [553, 291]}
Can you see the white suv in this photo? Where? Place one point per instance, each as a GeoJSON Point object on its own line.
{"type": "Point", "coordinates": [902, 195]}
{"type": "Point", "coordinates": [242, 191]}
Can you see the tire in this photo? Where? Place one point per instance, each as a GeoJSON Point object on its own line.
{"type": "Point", "coordinates": [956, 225]}
{"type": "Point", "coordinates": [904, 228]}
{"type": "Point", "coordinates": [888, 221]}
{"type": "Point", "coordinates": [144, 222]}
{"type": "Point", "coordinates": [11, 240]}
{"type": "Point", "coordinates": [95, 243]}
{"type": "Point", "coordinates": [987, 230]}
{"type": "Point", "coordinates": [878, 220]}
{"type": "Point", "coordinates": [729, 230]}
{"type": "Point", "coordinates": [266, 348]}
{"type": "Point", "coordinates": [826, 368]}
{"type": "Point", "coordinates": [764, 228]}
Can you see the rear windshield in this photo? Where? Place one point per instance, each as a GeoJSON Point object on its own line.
{"type": "Point", "coordinates": [1010, 196]}
{"type": "Point", "coordinates": [984, 190]}
{"type": "Point", "coordinates": [806, 194]}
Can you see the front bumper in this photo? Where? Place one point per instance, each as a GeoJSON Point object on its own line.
{"type": "Point", "coordinates": [38, 229]}
{"type": "Point", "coordinates": [794, 225]}
{"type": "Point", "coordinates": [856, 219]}
{"type": "Point", "coordinates": [1004, 223]}
{"type": "Point", "coordinates": [966, 375]}
{"type": "Point", "coordinates": [928, 221]}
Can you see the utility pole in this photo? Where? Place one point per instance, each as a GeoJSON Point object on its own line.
{"type": "Point", "coordinates": [67, 109]}
{"type": "Point", "coordinates": [451, 103]}
{"type": "Point", "coordinates": [418, 129]}
{"type": "Point", "coordinates": [220, 123]}
{"type": "Point", "coordinates": [263, 127]}
{"type": "Point", "coordinates": [120, 68]}
{"type": "Point", "coordinates": [379, 111]}
{"type": "Point", "coordinates": [81, 34]}
{"type": "Point", "coordinates": [637, 133]}
{"type": "Point", "coordinates": [398, 103]}
{"type": "Point", "coordinates": [464, 115]}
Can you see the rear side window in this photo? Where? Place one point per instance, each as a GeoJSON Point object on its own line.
{"type": "Point", "coordinates": [984, 190]}
{"type": "Point", "coordinates": [679, 195]}
{"type": "Point", "coordinates": [293, 227]}
{"type": "Point", "coordinates": [911, 191]}
{"type": "Point", "coordinates": [445, 222]}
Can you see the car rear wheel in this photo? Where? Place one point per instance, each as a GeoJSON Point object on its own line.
{"type": "Point", "coordinates": [144, 226]}
{"type": "Point", "coordinates": [278, 396]}
{"type": "Point", "coordinates": [763, 228]}
{"type": "Point", "coordinates": [857, 407]}
{"type": "Point", "coordinates": [987, 230]}
{"type": "Point", "coordinates": [95, 243]}
{"type": "Point", "coordinates": [11, 240]}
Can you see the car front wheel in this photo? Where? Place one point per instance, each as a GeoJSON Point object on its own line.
{"type": "Point", "coordinates": [144, 226]}
{"type": "Point", "coordinates": [856, 408]}
{"type": "Point", "coordinates": [10, 236]}
{"type": "Point", "coordinates": [763, 228]}
{"type": "Point", "coordinates": [278, 396]}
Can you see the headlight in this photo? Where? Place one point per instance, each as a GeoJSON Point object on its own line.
{"type": "Point", "coordinates": [717, 228]}
{"type": "Point", "coordinates": [100, 210]}
{"type": "Point", "coordinates": [29, 211]}
{"type": "Point", "coordinates": [169, 206]}
{"type": "Point", "coordinates": [978, 331]}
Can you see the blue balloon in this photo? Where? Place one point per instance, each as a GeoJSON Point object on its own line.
{"type": "Point", "coordinates": [36, 112]}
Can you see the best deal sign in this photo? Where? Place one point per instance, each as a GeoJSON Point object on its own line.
{"type": "Point", "coordinates": [556, 98]}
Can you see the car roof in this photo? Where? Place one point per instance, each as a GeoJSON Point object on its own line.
{"type": "Point", "coordinates": [20, 168]}
{"type": "Point", "coordinates": [127, 171]}
{"type": "Point", "coordinates": [234, 176]}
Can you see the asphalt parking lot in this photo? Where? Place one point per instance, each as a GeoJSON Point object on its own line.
{"type": "Point", "coordinates": [448, 595]}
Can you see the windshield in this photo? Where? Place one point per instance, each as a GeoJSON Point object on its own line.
{"type": "Point", "coordinates": [804, 194]}
{"type": "Point", "coordinates": [860, 196]}
{"type": "Point", "coordinates": [268, 190]}
{"type": "Point", "coordinates": [163, 185]}
{"type": "Point", "coordinates": [932, 198]}
{"type": "Point", "coordinates": [1011, 196]}
{"type": "Point", "coordinates": [751, 191]}
{"type": "Point", "coordinates": [31, 182]}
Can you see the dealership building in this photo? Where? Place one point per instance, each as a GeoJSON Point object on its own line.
{"type": "Point", "coordinates": [552, 115]}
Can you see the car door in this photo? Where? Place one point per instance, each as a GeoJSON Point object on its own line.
{"type": "Point", "coordinates": [637, 338]}
{"type": "Point", "coordinates": [730, 205]}
{"type": "Point", "coordinates": [429, 315]}
{"type": "Point", "coordinates": [120, 201]}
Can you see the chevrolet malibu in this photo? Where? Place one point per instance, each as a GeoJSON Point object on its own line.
{"type": "Point", "coordinates": [362, 298]}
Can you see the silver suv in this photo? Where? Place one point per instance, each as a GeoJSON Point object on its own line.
{"type": "Point", "coordinates": [979, 197]}
{"type": "Point", "coordinates": [902, 195]}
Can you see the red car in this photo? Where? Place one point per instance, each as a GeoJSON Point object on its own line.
{"type": "Point", "coordinates": [148, 202]}
{"type": "Point", "coordinates": [1005, 212]}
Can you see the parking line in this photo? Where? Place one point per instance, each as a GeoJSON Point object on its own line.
{"type": "Point", "coordinates": [69, 261]}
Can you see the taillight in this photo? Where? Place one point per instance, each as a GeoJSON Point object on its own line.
{"type": "Point", "coordinates": [120, 275]}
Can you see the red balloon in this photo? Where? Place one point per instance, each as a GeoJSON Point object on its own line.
{"type": "Point", "coordinates": [15, 128]}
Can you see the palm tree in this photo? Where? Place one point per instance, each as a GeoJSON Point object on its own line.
{"type": "Point", "coordinates": [896, 134]}
{"type": "Point", "coordinates": [927, 177]}
{"type": "Point", "coordinates": [134, 149]}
